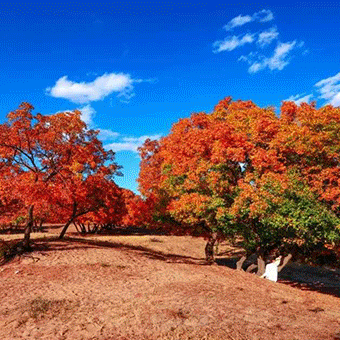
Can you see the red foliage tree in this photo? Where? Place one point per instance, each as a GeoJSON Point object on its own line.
{"type": "Point", "coordinates": [48, 154]}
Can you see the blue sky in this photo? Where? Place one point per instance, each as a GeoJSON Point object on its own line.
{"type": "Point", "coordinates": [135, 68]}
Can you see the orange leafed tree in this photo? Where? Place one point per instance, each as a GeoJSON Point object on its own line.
{"type": "Point", "coordinates": [225, 171]}
{"type": "Point", "coordinates": [48, 154]}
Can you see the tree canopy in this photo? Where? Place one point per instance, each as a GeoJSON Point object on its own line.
{"type": "Point", "coordinates": [53, 163]}
{"type": "Point", "coordinates": [246, 172]}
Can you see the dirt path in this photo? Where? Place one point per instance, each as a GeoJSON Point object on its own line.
{"type": "Point", "coordinates": [146, 287]}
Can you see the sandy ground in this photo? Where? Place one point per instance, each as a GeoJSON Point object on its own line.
{"type": "Point", "coordinates": [152, 287]}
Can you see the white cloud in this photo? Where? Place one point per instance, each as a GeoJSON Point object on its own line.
{"type": "Point", "coordinates": [85, 92]}
{"type": "Point", "coordinates": [106, 134]}
{"type": "Point", "coordinates": [278, 61]}
{"type": "Point", "coordinates": [300, 98]}
{"type": "Point", "coordinates": [232, 42]}
{"type": "Point", "coordinates": [261, 16]}
{"type": "Point", "coordinates": [329, 89]}
{"type": "Point", "coordinates": [266, 37]}
{"type": "Point", "coordinates": [280, 56]}
{"type": "Point", "coordinates": [87, 114]}
{"type": "Point", "coordinates": [336, 100]}
{"type": "Point", "coordinates": [256, 67]}
{"type": "Point", "coordinates": [238, 21]}
{"type": "Point", "coordinates": [129, 143]}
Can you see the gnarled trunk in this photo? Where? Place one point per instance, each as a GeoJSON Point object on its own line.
{"type": "Point", "coordinates": [285, 261]}
{"type": "Point", "coordinates": [261, 265]}
{"type": "Point", "coordinates": [73, 216]}
{"type": "Point", "coordinates": [26, 242]}
{"type": "Point", "coordinates": [240, 262]}
{"type": "Point", "coordinates": [65, 228]}
{"type": "Point", "coordinates": [209, 248]}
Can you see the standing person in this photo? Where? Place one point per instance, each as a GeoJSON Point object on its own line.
{"type": "Point", "coordinates": [271, 272]}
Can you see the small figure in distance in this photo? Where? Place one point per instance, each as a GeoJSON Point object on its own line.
{"type": "Point", "coordinates": [271, 271]}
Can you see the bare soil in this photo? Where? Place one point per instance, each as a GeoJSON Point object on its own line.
{"type": "Point", "coordinates": [157, 287]}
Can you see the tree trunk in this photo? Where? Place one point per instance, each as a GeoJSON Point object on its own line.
{"type": "Point", "coordinates": [261, 265]}
{"type": "Point", "coordinates": [285, 262]}
{"type": "Point", "coordinates": [209, 248]}
{"type": "Point", "coordinates": [28, 229]}
{"type": "Point", "coordinates": [240, 262]}
{"type": "Point", "coordinates": [252, 267]}
{"type": "Point", "coordinates": [73, 216]}
{"type": "Point", "coordinates": [66, 227]}
{"type": "Point", "coordinates": [77, 228]}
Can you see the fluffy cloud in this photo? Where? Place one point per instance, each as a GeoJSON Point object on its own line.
{"type": "Point", "coordinates": [129, 143]}
{"type": "Point", "coordinates": [329, 89]}
{"type": "Point", "coordinates": [85, 92]}
{"type": "Point", "coordinates": [261, 16]}
{"type": "Point", "coordinates": [300, 98]}
{"type": "Point", "coordinates": [230, 43]}
{"type": "Point", "coordinates": [266, 37]}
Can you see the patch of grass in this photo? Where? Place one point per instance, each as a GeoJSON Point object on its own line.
{"type": "Point", "coordinates": [105, 265]}
{"type": "Point", "coordinates": [155, 239]}
{"type": "Point", "coordinates": [178, 314]}
{"type": "Point", "coordinates": [40, 308]}
{"type": "Point", "coordinates": [21, 322]}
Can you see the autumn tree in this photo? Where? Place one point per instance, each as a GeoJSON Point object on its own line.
{"type": "Point", "coordinates": [196, 169]}
{"type": "Point", "coordinates": [11, 207]}
{"type": "Point", "coordinates": [230, 172]}
{"type": "Point", "coordinates": [106, 207]}
{"type": "Point", "coordinates": [309, 140]}
{"type": "Point", "coordinates": [46, 152]}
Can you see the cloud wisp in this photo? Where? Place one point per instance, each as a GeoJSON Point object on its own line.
{"type": "Point", "coordinates": [230, 43]}
{"type": "Point", "coordinates": [278, 61]}
{"type": "Point", "coordinates": [113, 140]}
{"type": "Point", "coordinates": [87, 114]}
{"type": "Point", "coordinates": [299, 98]}
{"type": "Point", "coordinates": [329, 89]}
{"type": "Point", "coordinates": [130, 143]}
{"type": "Point", "coordinates": [261, 16]}
{"type": "Point", "coordinates": [266, 37]}
{"type": "Point", "coordinates": [262, 55]}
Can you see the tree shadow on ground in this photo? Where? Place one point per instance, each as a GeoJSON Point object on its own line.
{"type": "Point", "coordinates": [54, 244]}
{"type": "Point", "coordinates": [121, 231]}
{"type": "Point", "coordinates": [323, 280]}
{"type": "Point", "coordinates": [301, 276]}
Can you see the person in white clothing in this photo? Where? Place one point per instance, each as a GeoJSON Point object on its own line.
{"type": "Point", "coordinates": [271, 272]}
